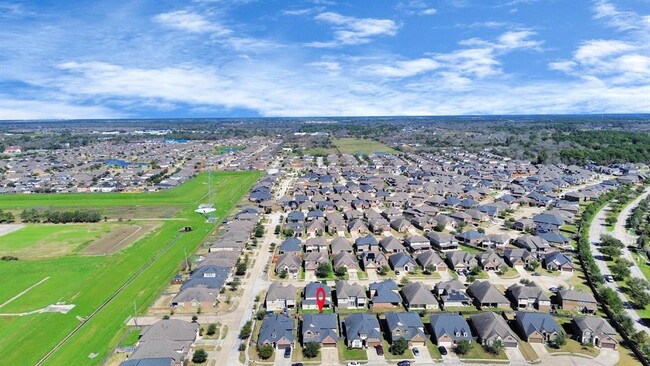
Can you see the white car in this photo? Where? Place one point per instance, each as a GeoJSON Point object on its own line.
{"type": "Point", "coordinates": [354, 363]}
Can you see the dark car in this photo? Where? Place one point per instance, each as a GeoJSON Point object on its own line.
{"type": "Point", "coordinates": [297, 364]}
{"type": "Point", "coordinates": [380, 350]}
{"type": "Point", "coordinates": [443, 350]}
{"type": "Point", "coordinates": [416, 351]}
{"type": "Point", "coordinates": [404, 363]}
{"type": "Point", "coordinates": [287, 352]}
{"type": "Point", "coordinates": [536, 274]}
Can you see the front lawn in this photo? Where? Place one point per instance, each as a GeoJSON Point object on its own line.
{"type": "Point", "coordinates": [408, 354]}
{"type": "Point", "coordinates": [433, 350]}
{"type": "Point", "coordinates": [351, 354]}
{"type": "Point", "coordinates": [574, 346]}
{"type": "Point", "coordinates": [297, 356]}
{"type": "Point", "coordinates": [479, 353]}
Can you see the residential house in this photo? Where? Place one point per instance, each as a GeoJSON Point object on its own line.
{"type": "Point", "coordinates": [581, 301]}
{"type": "Point", "coordinates": [279, 297]}
{"type": "Point", "coordinates": [405, 325]}
{"type": "Point", "coordinates": [596, 331]}
{"type": "Point", "coordinates": [366, 243]}
{"type": "Point", "coordinates": [518, 257]}
{"type": "Point", "coordinates": [460, 259]}
{"type": "Point", "coordinates": [537, 327]}
{"type": "Point", "coordinates": [362, 331]}
{"type": "Point", "coordinates": [309, 296]}
{"type": "Point", "coordinates": [418, 296]}
{"type": "Point", "coordinates": [528, 296]}
{"type": "Point", "coordinates": [291, 245]}
{"type": "Point", "coordinates": [443, 241]}
{"type": "Point", "coordinates": [391, 244]}
{"type": "Point", "coordinates": [289, 262]}
{"type": "Point", "coordinates": [471, 237]}
{"type": "Point", "coordinates": [372, 261]}
{"type": "Point", "coordinates": [347, 261]}
{"type": "Point", "coordinates": [402, 263]}
{"type": "Point", "coordinates": [429, 258]}
{"type": "Point", "coordinates": [490, 261]}
{"type": "Point", "coordinates": [320, 328]}
{"type": "Point", "coordinates": [350, 296]}
{"type": "Point", "coordinates": [556, 261]}
{"type": "Point", "coordinates": [490, 327]}
{"type": "Point", "coordinates": [317, 244]}
{"type": "Point", "coordinates": [276, 330]}
{"type": "Point", "coordinates": [339, 245]}
{"type": "Point", "coordinates": [534, 244]}
{"type": "Point", "coordinates": [487, 296]}
{"type": "Point", "coordinates": [417, 243]}
{"type": "Point", "coordinates": [447, 329]}
{"type": "Point", "coordinates": [384, 294]}
{"type": "Point", "coordinates": [169, 339]}
{"type": "Point", "coordinates": [312, 261]}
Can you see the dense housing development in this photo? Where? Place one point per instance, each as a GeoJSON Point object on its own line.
{"type": "Point", "coordinates": [329, 257]}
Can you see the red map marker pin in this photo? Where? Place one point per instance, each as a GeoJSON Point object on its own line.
{"type": "Point", "coordinates": [320, 298]}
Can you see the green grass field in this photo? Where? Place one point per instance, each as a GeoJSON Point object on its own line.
{"type": "Point", "coordinates": [361, 146]}
{"type": "Point", "coordinates": [43, 240]}
{"type": "Point", "coordinates": [88, 281]}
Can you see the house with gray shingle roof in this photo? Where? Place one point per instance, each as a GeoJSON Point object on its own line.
{"type": "Point", "coordinates": [362, 330]}
{"type": "Point", "coordinates": [350, 296]}
{"type": "Point", "coordinates": [431, 258]}
{"type": "Point", "coordinates": [276, 330]}
{"type": "Point", "coordinates": [418, 296]}
{"type": "Point", "coordinates": [581, 301]}
{"type": "Point", "coordinates": [528, 296]}
{"type": "Point", "coordinates": [537, 327]}
{"type": "Point", "coordinates": [320, 328]}
{"type": "Point", "coordinates": [384, 294]}
{"type": "Point", "coordinates": [460, 259]}
{"type": "Point", "coordinates": [490, 327]}
{"type": "Point", "coordinates": [595, 330]}
{"type": "Point", "coordinates": [490, 261]}
{"type": "Point", "coordinates": [487, 296]}
{"type": "Point", "coordinates": [443, 241]}
{"type": "Point", "coordinates": [448, 329]}
{"type": "Point", "coordinates": [280, 297]}
{"type": "Point", "coordinates": [402, 263]}
{"type": "Point", "coordinates": [341, 244]}
{"type": "Point", "coordinates": [405, 325]}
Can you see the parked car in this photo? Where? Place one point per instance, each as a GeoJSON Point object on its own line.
{"type": "Point", "coordinates": [297, 364]}
{"type": "Point", "coordinates": [536, 274]}
{"type": "Point", "coordinates": [380, 350]}
{"type": "Point", "coordinates": [354, 363]}
{"type": "Point", "coordinates": [404, 363]}
{"type": "Point", "coordinates": [416, 351]}
{"type": "Point", "coordinates": [554, 289]}
{"type": "Point", "coordinates": [609, 278]}
{"type": "Point", "coordinates": [443, 350]}
{"type": "Point", "coordinates": [287, 352]}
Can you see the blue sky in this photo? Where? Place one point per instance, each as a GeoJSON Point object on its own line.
{"type": "Point", "coordinates": [242, 58]}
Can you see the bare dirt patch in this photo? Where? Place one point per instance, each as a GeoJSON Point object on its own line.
{"type": "Point", "coordinates": [119, 238]}
{"type": "Point", "coordinates": [8, 228]}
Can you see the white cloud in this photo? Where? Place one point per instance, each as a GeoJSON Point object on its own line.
{"type": "Point", "coordinates": [429, 11]}
{"type": "Point", "coordinates": [353, 31]}
{"type": "Point", "coordinates": [403, 69]}
{"type": "Point", "coordinates": [21, 109]}
{"type": "Point", "coordinates": [190, 22]}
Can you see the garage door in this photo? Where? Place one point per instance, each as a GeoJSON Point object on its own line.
{"type": "Point", "coordinates": [446, 344]}
{"type": "Point", "coordinates": [510, 344]}
{"type": "Point", "coordinates": [608, 345]}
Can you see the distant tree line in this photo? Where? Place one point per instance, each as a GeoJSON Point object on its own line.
{"type": "Point", "coordinates": [31, 215]}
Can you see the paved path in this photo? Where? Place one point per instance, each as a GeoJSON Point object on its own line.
{"type": "Point", "coordinates": [596, 230]}
{"type": "Point", "coordinates": [621, 233]}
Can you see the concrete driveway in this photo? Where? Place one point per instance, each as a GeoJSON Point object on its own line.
{"type": "Point", "coordinates": [424, 357]}
{"type": "Point", "coordinates": [515, 356]}
{"type": "Point", "coordinates": [329, 356]}
{"type": "Point", "coordinates": [279, 359]}
{"type": "Point", "coordinates": [373, 358]}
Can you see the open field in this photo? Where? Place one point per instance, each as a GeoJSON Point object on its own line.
{"type": "Point", "coordinates": [89, 281]}
{"type": "Point", "coordinates": [119, 238]}
{"type": "Point", "coordinates": [9, 228]}
{"type": "Point", "coordinates": [361, 146]}
{"type": "Point", "coordinates": [50, 240]}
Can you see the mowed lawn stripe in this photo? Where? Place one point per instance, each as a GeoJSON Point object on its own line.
{"type": "Point", "coordinates": [88, 281]}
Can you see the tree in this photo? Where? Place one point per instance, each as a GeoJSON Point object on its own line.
{"type": "Point", "coordinates": [324, 270]}
{"type": "Point", "coordinates": [277, 230]}
{"type": "Point", "coordinates": [559, 341]}
{"type": "Point", "coordinates": [430, 269]}
{"type": "Point", "coordinates": [241, 268]}
{"type": "Point", "coordinates": [439, 228]}
{"type": "Point", "coordinates": [621, 269]}
{"type": "Point", "coordinates": [265, 352]}
{"type": "Point", "coordinates": [341, 272]}
{"type": "Point", "coordinates": [311, 349]}
{"type": "Point", "coordinates": [383, 270]}
{"type": "Point", "coordinates": [212, 329]}
{"type": "Point", "coordinates": [246, 330]}
{"type": "Point", "coordinates": [259, 230]}
{"type": "Point", "coordinates": [283, 273]}
{"type": "Point", "coordinates": [399, 346]}
{"type": "Point", "coordinates": [532, 265]}
{"type": "Point", "coordinates": [404, 281]}
{"type": "Point", "coordinates": [260, 314]}
{"type": "Point", "coordinates": [495, 347]}
{"type": "Point", "coordinates": [463, 347]}
{"type": "Point", "coordinates": [637, 289]}
{"type": "Point", "coordinates": [200, 356]}
{"type": "Point", "coordinates": [611, 251]}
